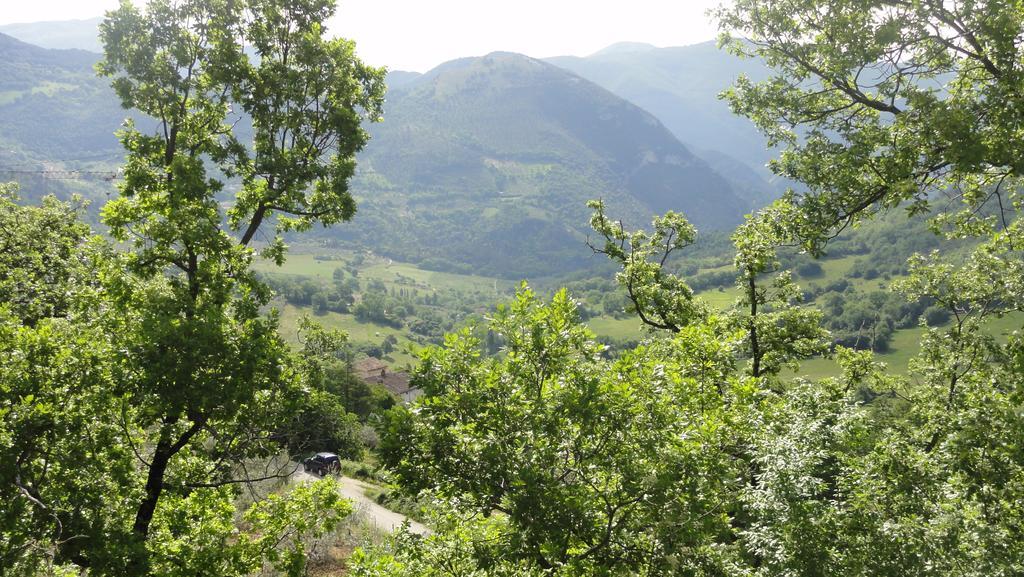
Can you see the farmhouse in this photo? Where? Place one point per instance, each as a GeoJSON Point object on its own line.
{"type": "Point", "coordinates": [374, 371]}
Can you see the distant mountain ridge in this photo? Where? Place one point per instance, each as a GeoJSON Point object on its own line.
{"type": "Point", "coordinates": [625, 48]}
{"type": "Point", "coordinates": [680, 86]}
{"type": "Point", "coordinates": [511, 148]}
{"type": "Point", "coordinates": [482, 164]}
{"type": "Point", "coordinates": [576, 119]}
{"type": "Point", "coordinates": [58, 34]}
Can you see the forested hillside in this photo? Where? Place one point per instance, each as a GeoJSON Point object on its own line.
{"type": "Point", "coordinates": [486, 164]}
{"type": "Point", "coordinates": [166, 408]}
{"type": "Point", "coordinates": [505, 177]}
{"type": "Point", "coordinates": [681, 86]}
{"type": "Point", "coordinates": [53, 108]}
{"type": "Point", "coordinates": [55, 114]}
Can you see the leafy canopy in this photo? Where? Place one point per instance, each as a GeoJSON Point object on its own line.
{"type": "Point", "coordinates": [147, 385]}
{"type": "Point", "coordinates": [883, 103]}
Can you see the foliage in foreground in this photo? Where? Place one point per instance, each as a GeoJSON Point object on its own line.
{"type": "Point", "coordinates": [143, 386]}
{"type": "Point", "coordinates": [138, 377]}
{"type": "Point", "coordinates": [674, 459]}
{"type": "Point", "coordinates": [690, 456]}
{"type": "Point", "coordinates": [74, 436]}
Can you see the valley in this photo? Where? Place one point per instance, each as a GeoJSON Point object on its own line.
{"type": "Point", "coordinates": [748, 307]}
{"type": "Point", "coordinates": [454, 210]}
{"type": "Point", "coordinates": [467, 300]}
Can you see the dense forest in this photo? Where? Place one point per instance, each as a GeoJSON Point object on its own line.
{"type": "Point", "coordinates": [154, 417]}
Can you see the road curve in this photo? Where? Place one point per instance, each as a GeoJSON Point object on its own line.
{"type": "Point", "coordinates": [380, 517]}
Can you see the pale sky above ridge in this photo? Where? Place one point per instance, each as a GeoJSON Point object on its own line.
{"type": "Point", "coordinates": [418, 35]}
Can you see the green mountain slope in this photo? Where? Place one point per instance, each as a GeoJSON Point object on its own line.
{"type": "Point", "coordinates": [483, 164]}
{"type": "Point", "coordinates": [54, 115]}
{"type": "Point", "coordinates": [493, 159]}
{"type": "Point", "coordinates": [680, 86]}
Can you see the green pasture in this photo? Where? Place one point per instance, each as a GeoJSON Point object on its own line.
{"type": "Point", "coordinates": [305, 265]}
{"type": "Point", "coordinates": [391, 273]}
{"type": "Point", "coordinates": [903, 346]}
{"type": "Point", "coordinates": [358, 332]}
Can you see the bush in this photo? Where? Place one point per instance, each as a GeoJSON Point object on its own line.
{"type": "Point", "coordinates": [321, 424]}
{"type": "Point", "coordinates": [810, 270]}
{"type": "Point", "coordinates": [936, 316]}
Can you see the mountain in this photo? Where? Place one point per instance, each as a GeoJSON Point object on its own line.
{"type": "Point", "coordinates": [61, 34]}
{"type": "Point", "coordinates": [680, 86]}
{"type": "Point", "coordinates": [748, 183]}
{"type": "Point", "coordinates": [482, 164]}
{"type": "Point", "coordinates": [52, 105]}
{"type": "Point", "coordinates": [399, 78]}
{"type": "Point", "coordinates": [55, 114]}
{"type": "Point", "coordinates": [625, 48]}
{"type": "Point", "coordinates": [494, 158]}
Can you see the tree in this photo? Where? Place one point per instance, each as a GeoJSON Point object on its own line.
{"type": "Point", "coordinates": [69, 473]}
{"type": "Point", "coordinates": [778, 331]}
{"type": "Point", "coordinates": [318, 420]}
{"type": "Point", "coordinates": [165, 349]}
{"type": "Point", "coordinates": [661, 300]}
{"type": "Point", "coordinates": [38, 257]}
{"type": "Point", "coordinates": [199, 351]}
{"type": "Point", "coordinates": [63, 455]}
{"type": "Point", "coordinates": [458, 547]}
{"type": "Point", "coordinates": [883, 103]}
{"type": "Point", "coordinates": [388, 344]}
{"type": "Point", "coordinates": [931, 466]}
{"type": "Point", "coordinates": [582, 457]}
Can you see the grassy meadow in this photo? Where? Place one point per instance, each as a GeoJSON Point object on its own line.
{"type": "Point", "coordinates": [397, 275]}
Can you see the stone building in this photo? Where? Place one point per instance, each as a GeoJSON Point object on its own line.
{"type": "Point", "coordinates": [375, 371]}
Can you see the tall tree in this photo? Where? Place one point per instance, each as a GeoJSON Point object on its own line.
{"type": "Point", "coordinates": [248, 114]}
{"type": "Point", "coordinates": [878, 103]}
{"type": "Point", "coordinates": [200, 356]}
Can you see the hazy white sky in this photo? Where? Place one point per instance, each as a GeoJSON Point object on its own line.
{"type": "Point", "coordinates": [419, 34]}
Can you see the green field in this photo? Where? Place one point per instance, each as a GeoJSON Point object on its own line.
{"type": "Point", "coordinates": [903, 346]}
{"type": "Point", "coordinates": [618, 328]}
{"type": "Point", "coordinates": [303, 265]}
{"type": "Point", "coordinates": [402, 357]}
{"type": "Point", "coordinates": [402, 274]}
{"type": "Point", "coordinates": [391, 273]}
{"type": "Point", "coordinates": [394, 275]}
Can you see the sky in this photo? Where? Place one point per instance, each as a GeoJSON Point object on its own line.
{"type": "Point", "coordinates": [420, 34]}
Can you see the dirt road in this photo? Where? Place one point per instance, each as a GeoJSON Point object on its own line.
{"type": "Point", "coordinates": [383, 518]}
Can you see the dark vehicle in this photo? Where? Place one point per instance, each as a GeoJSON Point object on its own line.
{"type": "Point", "coordinates": [322, 463]}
